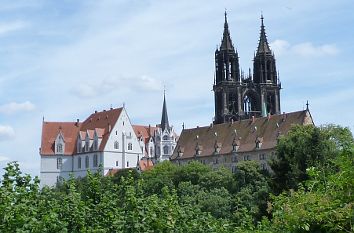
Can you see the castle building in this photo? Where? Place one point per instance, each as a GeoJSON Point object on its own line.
{"type": "Point", "coordinates": [248, 121]}
{"type": "Point", "coordinates": [105, 138]}
{"type": "Point", "coordinates": [238, 95]}
{"type": "Point", "coordinates": [159, 142]}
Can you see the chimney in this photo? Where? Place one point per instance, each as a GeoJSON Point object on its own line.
{"type": "Point", "coordinates": [268, 116]}
{"type": "Point", "coordinates": [77, 122]}
{"type": "Point", "coordinates": [109, 128]}
{"type": "Point", "coordinates": [95, 111]}
{"type": "Point", "coordinates": [253, 119]}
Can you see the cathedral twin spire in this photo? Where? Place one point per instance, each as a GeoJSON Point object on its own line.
{"type": "Point", "coordinates": [239, 96]}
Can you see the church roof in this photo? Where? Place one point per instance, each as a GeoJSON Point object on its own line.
{"type": "Point", "coordinates": [226, 43]}
{"type": "Point", "coordinates": [244, 133]}
{"type": "Point", "coordinates": [263, 46]}
{"type": "Point", "coordinates": [164, 119]}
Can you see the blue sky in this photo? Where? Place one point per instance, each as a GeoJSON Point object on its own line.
{"type": "Point", "coordinates": [65, 59]}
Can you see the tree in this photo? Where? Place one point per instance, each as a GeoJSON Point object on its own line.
{"type": "Point", "coordinates": [303, 147]}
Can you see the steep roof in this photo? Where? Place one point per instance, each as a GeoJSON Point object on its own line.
{"type": "Point", "coordinates": [50, 131]}
{"type": "Point", "coordinates": [164, 118]}
{"type": "Point", "coordinates": [103, 120]}
{"type": "Point", "coordinates": [244, 133]}
{"type": "Point", "coordinates": [226, 43]}
{"type": "Point", "coordinates": [144, 131]}
{"type": "Point", "coordinates": [263, 46]}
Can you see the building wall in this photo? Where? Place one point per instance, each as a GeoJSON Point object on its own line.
{"type": "Point", "coordinates": [230, 161]}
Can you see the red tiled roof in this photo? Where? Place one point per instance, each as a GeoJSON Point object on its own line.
{"type": "Point", "coordinates": [144, 131]}
{"type": "Point", "coordinates": [101, 121]}
{"type": "Point", "coordinates": [50, 131]}
{"type": "Point", "coordinates": [112, 171]}
{"type": "Point", "coordinates": [145, 164]}
{"type": "Point", "coordinates": [246, 132]}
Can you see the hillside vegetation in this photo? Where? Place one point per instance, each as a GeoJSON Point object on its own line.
{"type": "Point", "coordinates": [311, 190]}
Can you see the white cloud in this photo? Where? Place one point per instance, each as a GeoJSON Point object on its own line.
{"type": "Point", "coordinates": [6, 132]}
{"type": "Point", "coordinates": [3, 158]}
{"type": "Point", "coordinates": [133, 84]}
{"type": "Point", "coordinates": [14, 107]}
{"type": "Point", "coordinates": [306, 49]}
{"type": "Point", "coordinates": [280, 46]}
{"type": "Point", "coordinates": [12, 26]}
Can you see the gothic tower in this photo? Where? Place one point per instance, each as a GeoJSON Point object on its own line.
{"type": "Point", "coordinates": [265, 76]}
{"type": "Point", "coordinates": [240, 96]}
{"type": "Point", "coordinates": [227, 79]}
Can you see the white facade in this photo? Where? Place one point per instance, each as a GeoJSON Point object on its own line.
{"type": "Point", "coordinates": [121, 150]}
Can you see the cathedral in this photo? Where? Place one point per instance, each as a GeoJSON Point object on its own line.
{"type": "Point", "coordinates": [248, 121]}
{"type": "Point", "coordinates": [239, 95]}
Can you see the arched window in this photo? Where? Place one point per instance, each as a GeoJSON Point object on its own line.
{"type": "Point", "coordinates": [87, 162]}
{"type": "Point", "coordinates": [79, 163]}
{"type": "Point", "coordinates": [165, 150]}
{"type": "Point", "coordinates": [165, 137]}
{"type": "Point", "coordinates": [247, 106]}
{"type": "Point", "coordinates": [116, 145]}
{"type": "Point", "coordinates": [130, 146]}
{"type": "Point", "coordinates": [151, 151]}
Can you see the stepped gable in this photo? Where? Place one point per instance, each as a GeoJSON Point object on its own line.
{"type": "Point", "coordinates": [245, 132]}
{"type": "Point", "coordinates": [103, 122]}
{"type": "Point", "coordinates": [50, 131]}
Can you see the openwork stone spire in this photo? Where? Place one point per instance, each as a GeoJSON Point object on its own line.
{"type": "Point", "coordinates": [263, 46]}
{"type": "Point", "coordinates": [226, 43]}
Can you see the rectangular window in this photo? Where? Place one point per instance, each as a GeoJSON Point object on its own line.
{"type": "Point", "coordinates": [262, 157]}
{"type": "Point", "coordinates": [127, 163]}
{"type": "Point", "coordinates": [79, 163]}
{"type": "Point", "coordinates": [130, 146]}
{"type": "Point", "coordinates": [87, 162]}
{"type": "Point", "coordinates": [59, 163]}
{"type": "Point", "coordinates": [117, 163]}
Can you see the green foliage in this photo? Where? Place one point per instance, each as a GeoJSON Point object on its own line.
{"type": "Point", "coordinates": [313, 179]}
{"type": "Point", "coordinates": [304, 147]}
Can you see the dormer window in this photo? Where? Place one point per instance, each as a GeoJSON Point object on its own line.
{"type": "Point", "coordinates": [87, 145]}
{"type": "Point", "coordinates": [217, 148]}
{"type": "Point", "coordinates": [95, 144]}
{"type": "Point", "coordinates": [198, 149]}
{"type": "Point", "coordinates": [60, 148]}
{"type": "Point", "coordinates": [259, 142]}
{"type": "Point", "coordinates": [180, 151]}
